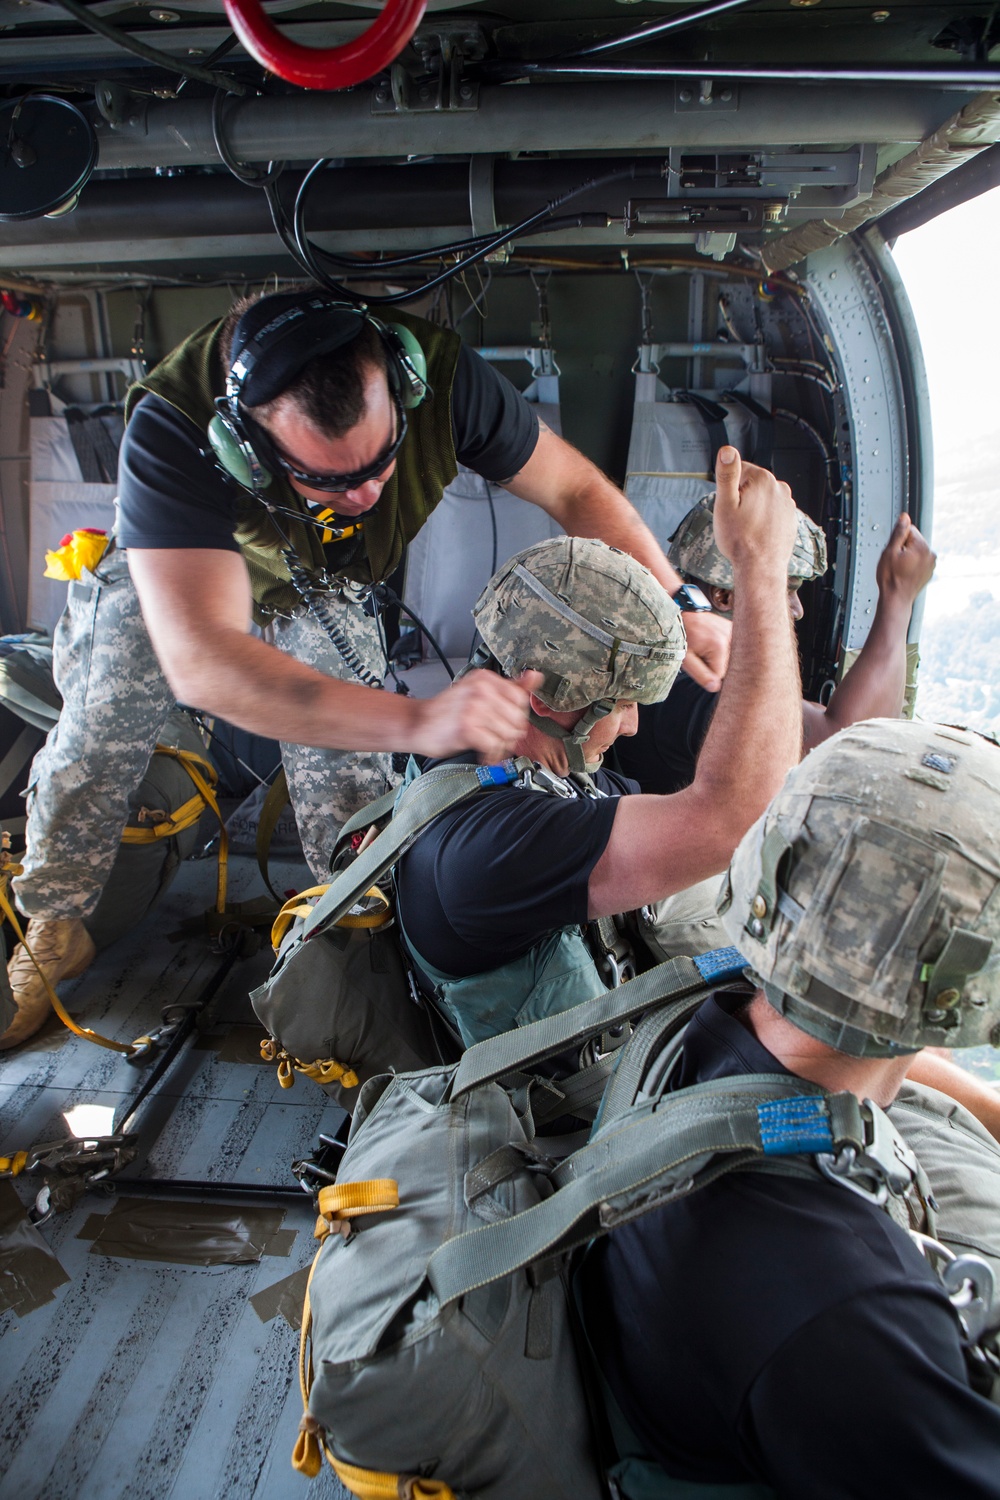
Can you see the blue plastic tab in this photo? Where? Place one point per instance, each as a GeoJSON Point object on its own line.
{"type": "Point", "coordinates": [501, 775]}
{"type": "Point", "coordinates": [720, 963]}
{"type": "Point", "coordinates": [789, 1127]}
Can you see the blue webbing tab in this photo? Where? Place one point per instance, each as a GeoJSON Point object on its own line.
{"type": "Point", "coordinates": [791, 1126]}
{"type": "Point", "coordinates": [501, 775]}
{"type": "Point", "coordinates": [720, 963]}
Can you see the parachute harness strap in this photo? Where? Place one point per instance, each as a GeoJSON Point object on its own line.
{"type": "Point", "coordinates": [205, 777]}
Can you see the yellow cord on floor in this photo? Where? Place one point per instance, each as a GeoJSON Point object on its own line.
{"type": "Point", "coordinates": [342, 1201]}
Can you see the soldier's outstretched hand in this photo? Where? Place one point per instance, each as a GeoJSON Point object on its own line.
{"type": "Point", "coordinates": [907, 563]}
{"type": "Point", "coordinates": [755, 518]}
{"type": "Point", "coordinates": [483, 712]}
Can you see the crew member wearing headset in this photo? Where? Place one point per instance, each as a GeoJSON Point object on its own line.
{"type": "Point", "coordinates": [274, 467]}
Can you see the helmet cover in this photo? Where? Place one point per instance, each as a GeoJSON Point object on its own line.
{"type": "Point", "coordinates": [591, 619]}
{"type": "Point", "coordinates": [695, 554]}
{"type": "Point", "coordinates": [867, 897]}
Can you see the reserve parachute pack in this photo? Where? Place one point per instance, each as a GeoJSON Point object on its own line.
{"type": "Point", "coordinates": [341, 1005]}
{"type": "Point", "coordinates": [440, 1351]}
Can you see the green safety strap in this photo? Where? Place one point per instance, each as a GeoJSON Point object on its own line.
{"type": "Point", "coordinates": [692, 1138]}
{"type": "Point", "coordinates": [419, 804]}
{"type": "Point", "coordinates": [272, 807]}
{"type": "Point", "coordinates": [514, 1050]}
{"type": "Point", "coordinates": [963, 955]}
{"type": "Point", "coordinates": [372, 812]}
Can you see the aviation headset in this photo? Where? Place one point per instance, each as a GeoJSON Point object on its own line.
{"type": "Point", "coordinates": [273, 341]}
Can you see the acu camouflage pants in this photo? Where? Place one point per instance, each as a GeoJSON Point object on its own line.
{"type": "Point", "coordinates": [115, 701]}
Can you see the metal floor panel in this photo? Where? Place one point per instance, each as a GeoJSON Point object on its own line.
{"type": "Point", "coordinates": [146, 1380]}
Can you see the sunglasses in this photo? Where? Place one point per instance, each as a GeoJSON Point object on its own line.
{"type": "Point", "coordinates": [274, 460]}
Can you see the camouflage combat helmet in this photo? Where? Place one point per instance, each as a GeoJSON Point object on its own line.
{"type": "Point", "coordinates": [694, 553]}
{"type": "Point", "coordinates": [866, 900]}
{"type": "Point", "coordinates": [592, 620]}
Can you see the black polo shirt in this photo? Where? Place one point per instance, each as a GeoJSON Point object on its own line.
{"type": "Point", "coordinates": [171, 492]}
{"type": "Point", "coordinates": [495, 875]}
{"type": "Point", "coordinates": [661, 755]}
{"type": "Point", "coordinates": [786, 1332]}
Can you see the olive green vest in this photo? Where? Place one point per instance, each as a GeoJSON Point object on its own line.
{"type": "Point", "coordinates": [191, 377]}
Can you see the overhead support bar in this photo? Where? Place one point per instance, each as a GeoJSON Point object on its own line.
{"type": "Point", "coordinates": [930, 74]}
{"type": "Point", "coordinates": [643, 114]}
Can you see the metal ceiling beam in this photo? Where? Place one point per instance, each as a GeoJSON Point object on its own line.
{"type": "Point", "coordinates": [644, 115]}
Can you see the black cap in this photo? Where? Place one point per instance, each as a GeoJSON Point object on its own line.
{"type": "Point", "coordinates": [277, 337]}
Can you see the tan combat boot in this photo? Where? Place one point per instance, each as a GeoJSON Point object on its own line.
{"type": "Point", "coordinates": [63, 948]}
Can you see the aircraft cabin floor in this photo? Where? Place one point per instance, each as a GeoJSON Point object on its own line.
{"type": "Point", "coordinates": [144, 1379]}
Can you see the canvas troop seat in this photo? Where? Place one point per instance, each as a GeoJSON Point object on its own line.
{"type": "Point", "coordinates": [675, 437]}
{"type": "Point", "coordinates": [473, 530]}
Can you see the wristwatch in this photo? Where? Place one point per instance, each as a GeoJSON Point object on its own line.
{"type": "Point", "coordinates": [690, 599]}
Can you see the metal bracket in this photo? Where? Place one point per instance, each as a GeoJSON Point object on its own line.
{"type": "Point", "coordinates": [433, 80]}
{"type": "Point", "coordinates": [707, 94]}
{"type": "Point", "coordinates": [118, 105]}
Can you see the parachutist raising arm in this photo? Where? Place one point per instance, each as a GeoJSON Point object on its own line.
{"type": "Point", "coordinates": [574, 492]}
{"type": "Point", "coordinates": [875, 684]}
{"type": "Point", "coordinates": [660, 845]}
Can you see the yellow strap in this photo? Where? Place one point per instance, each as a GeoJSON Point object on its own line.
{"type": "Point", "coordinates": [293, 908]}
{"type": "Point", "coordinates": [204, 776]}
{"type": "Point", "coordinates": [57, 1005]}
{"type": "Point", "coordinates": [370, 1485]}
{"type": "Point", "coordinates": [346, 1200]}
{"type": "Point", "coordinates": [12, 1166]}
{"type": "Point", "coordinates": [298, 906]}
{"type": "Point", "coordinates": [307, 1455]}
{"type": "Point", "coordinates": [324, 1070]}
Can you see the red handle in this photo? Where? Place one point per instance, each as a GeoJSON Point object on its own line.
{"type": "Point", "coordinates": [326, 67]}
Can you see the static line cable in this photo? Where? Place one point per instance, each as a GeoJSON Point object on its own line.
{"type": "Point", "coordinates": [678, 22]}
{"type": "Point", "coordinates": [153, 55]}
{"type": "Point", "coordinates": [385, 594]}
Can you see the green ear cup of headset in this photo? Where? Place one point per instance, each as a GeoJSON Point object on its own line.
{"type": "Point", "coordinates": [412, 366]}
{"type": "Point", "coordinates": [235, 456]}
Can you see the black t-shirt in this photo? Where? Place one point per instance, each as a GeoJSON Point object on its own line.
{"type": "Point", "coordinates": [661, 755]}
{"type": "Point", "coordinates": [494, 876]}
{"type": "Point", "coordinates": [171, 495]}
{"type": "Point", "coordinates": [786, 1332]}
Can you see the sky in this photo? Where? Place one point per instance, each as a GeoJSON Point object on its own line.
{"type": "Point", "coordinates": [949, 269]}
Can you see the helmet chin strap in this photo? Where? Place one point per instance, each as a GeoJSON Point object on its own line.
{"type": "Point", "coordinates": [573, 740]}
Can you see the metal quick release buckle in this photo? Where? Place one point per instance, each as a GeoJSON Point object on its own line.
{"type": "Point", "coordinates": [547, 781]}
{"type": "Point", "coordinates": [968, 1281]}
{"type": "Point", "coordinates": [884, 1165]}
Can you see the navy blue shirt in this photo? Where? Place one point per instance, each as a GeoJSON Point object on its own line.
{"type": "Point", "coordinates": [171, 495]}
{"type": "Point", "coordinates": [662, 753]}
{"type": "Point", "coordinates": [494, 876]}
{"type": "Point", "coordinates": [786, 1332]}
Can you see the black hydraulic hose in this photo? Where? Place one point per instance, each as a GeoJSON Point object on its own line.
{"type": "Point", "coordinates": [249, 176]}
{"type": "Point", "coordinates": [306, 254]}
{"type": "Point", "coordinates": [678, 22]}
{"type": "Point", "coordinates": [153, 55]}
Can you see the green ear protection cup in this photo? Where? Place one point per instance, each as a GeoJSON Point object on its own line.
{"type": "Point", "coordinates": [236, 456]}
{"type": "Point", "coordinates": [407, 359]}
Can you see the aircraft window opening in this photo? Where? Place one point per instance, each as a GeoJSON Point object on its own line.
{"type": "Point", "coordinates": [959, 326]}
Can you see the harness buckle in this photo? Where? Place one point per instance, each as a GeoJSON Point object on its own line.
{"type": "Point", "coordinates": [968, 1281]}
{"type": "Point", "coordinates": [884, 1165]}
